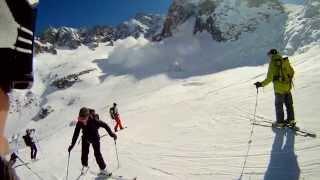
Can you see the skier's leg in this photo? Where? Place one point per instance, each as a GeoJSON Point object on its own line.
{"type": "Point", "coordinates": [31, 152]}
{"type": "Point", "coordinates": [119, 122]}
{"type": "Point", "coordinates": [35, 151]}
{"type": "Point", "coordinates": [279, 100]}
{"type": "Point", "coordinates": [289, 107]}
{"type": "Point", "coordinates": [116, 126]}
{"type": "Point", "coordinates": [98, 155]}
{"type": "Point", "coordinates": [84, 152]}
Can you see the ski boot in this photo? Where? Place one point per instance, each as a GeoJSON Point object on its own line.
{"type": "Point", "coordinates": [84, 169]}
{"type": "Point", "coordinates": [291, 123]}
{"type": "Point", "coordinates": [279, 124]}
{"type": "Point", "coordinates": [104, 172]}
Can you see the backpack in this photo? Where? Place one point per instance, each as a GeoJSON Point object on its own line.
{"type": "Point", "coordinates": [111, 111]}
{"type": "Point", "coordinates": [286, 71]}
{"type": "Point", "coordinates": [27, 140]}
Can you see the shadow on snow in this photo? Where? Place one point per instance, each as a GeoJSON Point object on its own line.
{"type": "Point", "coordinates": [283, 161]}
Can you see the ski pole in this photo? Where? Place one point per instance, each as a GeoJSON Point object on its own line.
{"type": "Point", "coordinates": [115, 145]}
{"type": "Point", "coordinates": [251, 134]}
{"type": "Point", "coordinates": [37, 140]}
{"type": "Point", "coordinates": [68, 166]}
{"type": "Point", "coordinates": [255, 108]}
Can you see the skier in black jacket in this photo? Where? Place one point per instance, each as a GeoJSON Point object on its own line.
{"type": "Point", "coordinates": [88, 122]}
{"type": "Point", "coordinates": [29, 141]}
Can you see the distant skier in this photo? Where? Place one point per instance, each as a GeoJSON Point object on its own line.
{"type": "Point", "coordinates": [13, 159]}
{"type": "Point", "coordinates": [115, 116]}
{"type": "Point", "coordinates": [14, 146]}
{"type": "Point", "coordinates": [29, 141]}
{"type": "Point", "coordinates": [281, 73]}
{"type": "Point", "coordinates": [89, 124]}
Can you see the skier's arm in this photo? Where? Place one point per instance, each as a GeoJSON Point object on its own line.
{"type": "Point", "coordinates": [75, 134]}
{"type": "Point", "coordinates": [107, 128]}
{"type": "Point", "coordinates": [111, 113]}
{"type": "Point", "coordinates": [291, 71]}
{"type": "Point", "coordinates": [269, 77]}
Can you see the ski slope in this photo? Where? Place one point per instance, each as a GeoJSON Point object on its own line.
{"type": "Point", "coordinates": [193, 128]}
{"type": "Point", "coordinates": [188, 104]}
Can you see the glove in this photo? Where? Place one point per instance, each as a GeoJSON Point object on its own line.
{"type": "Point", "coordinates": [258, 84]}
{"type": "Point", "coordinates": [114, 136]}
{"type": "Point", "coordinates": [70, 148]}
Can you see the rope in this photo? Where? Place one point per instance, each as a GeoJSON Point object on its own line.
{"type": "Point", "coordinates": [250, 137]}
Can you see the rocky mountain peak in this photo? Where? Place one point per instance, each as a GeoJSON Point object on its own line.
{"type": "Point", "coordinates": [223, 19]}
{"type": "Point", "coordinates": [71, 38]}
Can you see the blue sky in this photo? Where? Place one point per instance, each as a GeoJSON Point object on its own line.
{"type": "Point", "coordinates": [84, 13]}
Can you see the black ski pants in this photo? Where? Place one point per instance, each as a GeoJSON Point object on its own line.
{"type": "Point", "coordinates": [34, 151]}
{"type": "Point", "coordinates": [97, 153]}
{"type": "Point", "coordinates": [284, 99]}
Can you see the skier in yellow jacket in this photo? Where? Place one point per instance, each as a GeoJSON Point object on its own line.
{"type": "Point", "coordinates": [281, 73]}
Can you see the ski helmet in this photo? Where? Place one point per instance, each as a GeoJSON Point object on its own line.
{"type": "Point", "coordinates": [272, 52]}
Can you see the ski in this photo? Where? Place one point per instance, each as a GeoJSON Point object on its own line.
{"type": "Point", "coordinates": [23, 164]}
{"type": "Point", "coordinates": [104, 175]}
{"type": "Point", "coordinates": [115, 177]}
{"type": "Point", "coordinates": [111, 176]}
{"type": "Point", "coordinates": [122, 178]}
{"type": "Point", "coordinates": [121, 129]}
{"type": "Point", "coordinates": [294, 128]}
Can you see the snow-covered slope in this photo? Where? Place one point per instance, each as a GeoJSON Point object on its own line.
{"type": "Point", "coordinates": [188, 102]}
{"type": "Point", "coordinates": [191, 128]}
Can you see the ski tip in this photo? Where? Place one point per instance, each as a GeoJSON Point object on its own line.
{"type": "Point", "coordinates": [313, 135]}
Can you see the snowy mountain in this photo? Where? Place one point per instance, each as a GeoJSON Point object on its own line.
{"type": "Point", "coordinates": [66, 37]}
{"type": "Point", "coordinates": [188, 100]}
{"type": "Point", "coordinates": [229, 19]}
{"type": "Point", "coordinates": [224, 20]}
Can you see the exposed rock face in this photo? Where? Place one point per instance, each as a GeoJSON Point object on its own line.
{"type": "Point", "coordinates": [179, 12]}
{"type": "Point", "coordinates": [142, 24]}
{"type": "Point", "coordinates": [68, 37]}
{"type": "Point", "coordinates": [223, 19]}
{"type": "Point", "coordinates": [64, 37]}
{"type": "Point", "coordinates": [308, 31]}
{"type": "Point", "coordinates": [97, 34]}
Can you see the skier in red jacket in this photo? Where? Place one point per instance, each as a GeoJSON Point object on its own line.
{"type": "Point", "coordinates": [115, 115]}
